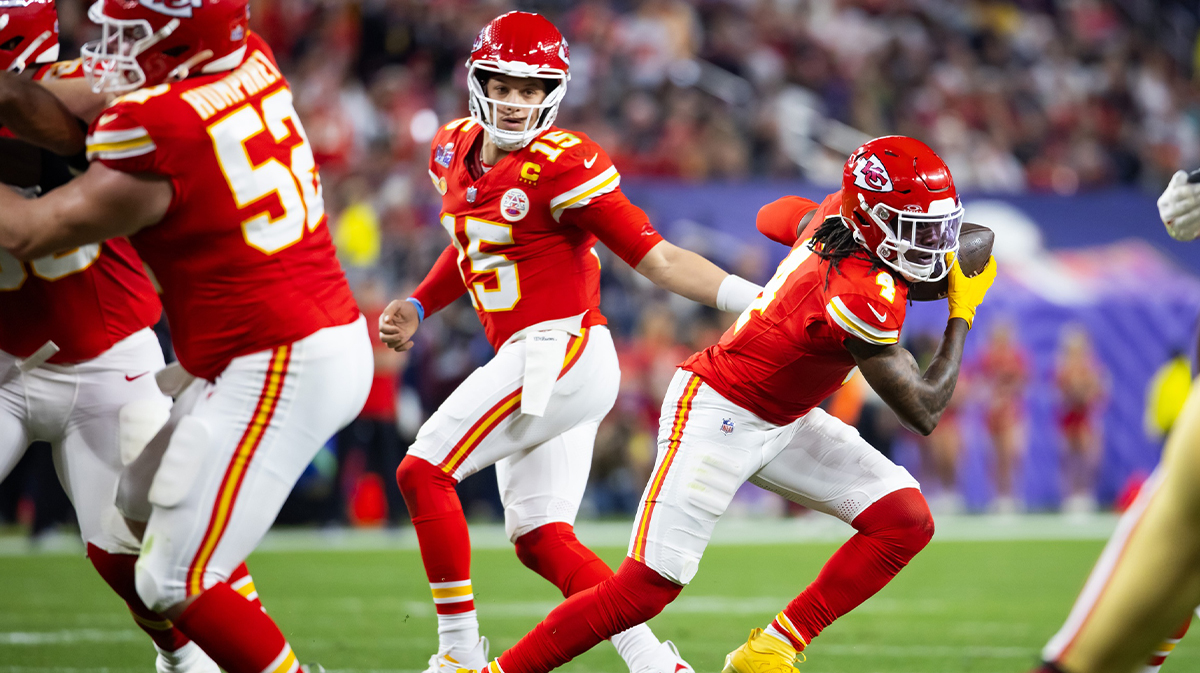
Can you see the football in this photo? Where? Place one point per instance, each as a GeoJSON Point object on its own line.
{"type": "Point", "coordinates": [974, 250]}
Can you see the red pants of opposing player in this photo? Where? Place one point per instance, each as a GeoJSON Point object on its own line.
{"type": "Point", "coordinates": [890, 533]}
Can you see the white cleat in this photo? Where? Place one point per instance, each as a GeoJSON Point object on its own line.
{"type": "Point", "coordinates": [666, 659]}
{"type": "Point", "coordinates": [449, 661]}
{"type": "Point", "coordinates": [187, 659]}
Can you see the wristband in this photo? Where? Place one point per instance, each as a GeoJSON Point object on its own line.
{"type": "Point", "coordinates": [420, 308]}
{"type": "Point", "coordinates": [736, 294]}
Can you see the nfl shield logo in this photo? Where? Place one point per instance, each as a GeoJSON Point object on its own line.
{"type": "Point", "coordinates": [471, 192]}
{"type": "Point", "coordinates": [727, 426]}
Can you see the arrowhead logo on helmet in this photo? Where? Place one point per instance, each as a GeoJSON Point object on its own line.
{"type": "Point", "coordinates": [177, 8]}
{"type": "Point", "coordinates": [870, 174]}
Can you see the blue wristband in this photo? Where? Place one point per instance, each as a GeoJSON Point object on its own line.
{"type": "Point", "coordinates": [420, 309]}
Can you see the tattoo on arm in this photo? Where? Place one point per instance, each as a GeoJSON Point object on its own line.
{"type": "Point", "coordinates": [918, 399]}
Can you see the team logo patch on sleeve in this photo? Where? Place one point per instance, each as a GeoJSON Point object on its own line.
{"type": "Point", "coordinates": [514, 205]}
{"type": "Point", "coordinates": [443, 154]}
{"type": "Point", "coordinates": [869, 173]}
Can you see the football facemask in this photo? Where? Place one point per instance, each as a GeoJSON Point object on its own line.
{"type": "Point", "coordinates": [487, 111]}
{"type": "Point", "coordinates": [914, 243]}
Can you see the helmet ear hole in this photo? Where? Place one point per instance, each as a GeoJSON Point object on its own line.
{"type": "Point", "coordinates": [12, 43]}
{"type": "Point", "coordinates": [177, 50]}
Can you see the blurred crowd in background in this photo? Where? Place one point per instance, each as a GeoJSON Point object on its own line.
{"type": "Point", "coordinates": [1019, 95]}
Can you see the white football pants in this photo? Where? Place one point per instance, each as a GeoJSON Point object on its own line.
{"type": "Point", "coordinates": [78, 409]}
{"type": "Point", "coordinates": [211, 482]}
{"type": "Point", "coordinates": [708, 447]}
{"type": "Point", "coordinates": [542, 462]}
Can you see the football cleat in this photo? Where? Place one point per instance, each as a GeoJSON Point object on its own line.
{"type": "Point", "coordinates": [450, 661]}
{"type": "Point", "coordinates": [187, 659]}
{"type": "Point", "coordinates": [666, 659]}
{"type": "Point", "coordinates": [762, 653]}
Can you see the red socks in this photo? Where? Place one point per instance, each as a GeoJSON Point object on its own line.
{"type": "Point", "coordinates": [632, 596]}
{"type": "Point", "coordinates": [239, 636]}
{"type": "Point", "coordinates": [442, 534]}
{"type": "Point", "coordinates": [241, 582]}
{"type": "Point", "coordinates": [117, 571]}
{"type": "Point", "coordinates": [890, 533]}
{"type": "Point", "coordinates": [554, 552]}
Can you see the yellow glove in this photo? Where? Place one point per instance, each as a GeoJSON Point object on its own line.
{"type": "Point", "coordinates": [967, 293]}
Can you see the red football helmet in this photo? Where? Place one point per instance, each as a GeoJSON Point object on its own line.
{"type": "Point", "coordinates": [899, 200]}
{"type": "Point", "coordinates": [518, 44]}
{"type": "Point", "coordinates": [147, 42]}
{"type": "Point", "coordinates": [28, 33]}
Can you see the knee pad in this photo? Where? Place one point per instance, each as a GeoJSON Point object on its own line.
{"type": "Point", "coordinates": [137, 423]}
{"type": "Point", "coordinates": [554, 552]}
{"type": "Point", "coordinates": [190, 445]}
{"type": "Point", "coordinates": [427, 490]}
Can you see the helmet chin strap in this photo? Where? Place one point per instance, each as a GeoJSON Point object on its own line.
{"type": "Point", "coordinates": [181, 71]}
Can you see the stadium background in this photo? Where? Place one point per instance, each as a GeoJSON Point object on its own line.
{"type": "Point", "coordinates": [1061, 121]}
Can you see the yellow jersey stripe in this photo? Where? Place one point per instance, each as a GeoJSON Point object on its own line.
{"type": "Point", "coordinates": [588, 194]}
{"type": "Point", "coordinates": [851, 325]}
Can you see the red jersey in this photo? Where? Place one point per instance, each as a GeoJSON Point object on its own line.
{"type": "Point", "coordinates": [786, 352]}
{"type": "Point", "coordinates": [522, 233]}
{"type": "Point", "coordinates": [85, 300]}
{"type": "Point", "coordinates": [242, 254]}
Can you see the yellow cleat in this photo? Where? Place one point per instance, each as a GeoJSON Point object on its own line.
{"type": "Point", "coordinates": [762, 653]}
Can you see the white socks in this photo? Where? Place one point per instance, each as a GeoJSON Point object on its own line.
{"type": "Point", "coordinates": [458, 632]}
{"type": "Point", "coordinates": [635, 644]}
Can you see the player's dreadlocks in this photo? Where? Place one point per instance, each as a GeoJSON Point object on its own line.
{"type": "Point", "coordinates": [834, 241]}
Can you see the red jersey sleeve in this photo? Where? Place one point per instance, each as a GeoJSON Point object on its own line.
{"type": "Point", "coordinates": [120, 140]}
{"type": "Point", "coordinates": [587, 194]}
{"type": "Point", "coordinates": [780, 220]}
{"type": "Point", "coordinates": [442, 285]}
{"type": "Point", "coordinates": [866, 305]}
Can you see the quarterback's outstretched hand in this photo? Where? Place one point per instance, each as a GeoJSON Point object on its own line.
{"type": "Point", "coordinates": [1179, 207]}
{"type": "Point", "coordinates": [397, 324]}
{"type": "Point", "coordinates": [966, 293]}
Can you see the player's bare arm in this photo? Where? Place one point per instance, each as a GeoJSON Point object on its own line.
{"type": "Point", "coordinates": [77, 96]}
{"type": "Point", "coordinates": [35, 115]}
{"type": "Point", "coordinates": [919, 399]}
{"type": "Point", "coordinates": [100, 204]}
{"type": "Point", "coordinates": [689, 275]}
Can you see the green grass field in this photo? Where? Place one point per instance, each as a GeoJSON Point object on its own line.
{"type": "Point", "coordinates": [979, 606]}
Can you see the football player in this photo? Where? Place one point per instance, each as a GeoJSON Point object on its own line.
{"type": "Point", "coordinates": [203, 163]}
{"type": "Point", "coordinates": [746, 410]}
{"type": "Point", "coordinates": [77, 355]}
{"type": "Point", "coordinates": [524, 202]}
{"type": "Point", "coordinates": [1138, 601]}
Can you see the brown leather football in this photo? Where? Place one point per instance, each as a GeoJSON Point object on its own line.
{"type": "Point", "coordinates": [974, 250]}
